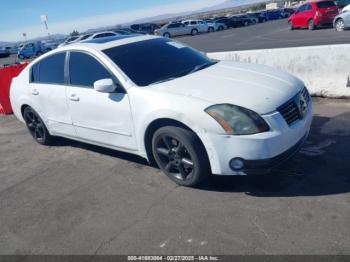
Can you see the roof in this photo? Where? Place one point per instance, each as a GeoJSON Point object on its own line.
{"type": "Point", "coordinates": [112, 41]}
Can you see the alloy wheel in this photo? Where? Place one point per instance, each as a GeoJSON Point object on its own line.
{"type": "Point", "coordinates": [35, 125]}
{"type": "Point", "coordinates": [340, 25]}
{"type": "Point", "coordinates": [174, 158]}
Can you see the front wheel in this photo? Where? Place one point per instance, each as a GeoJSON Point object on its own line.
{"type": "Point", "coordinates": [340, 25]}
{"type": "Point", "coordinates": [180, 155]}
{"type": "Point", "coordinates": [21, 57]}
{"type": "Point", "coordinates": [37, 127]}
{"type": "Point", "coordinates": [167, 35]}
{"type": "Point", "coordinates": [290, 25]}
{"type": "Point", "coordinates": [210, 30]}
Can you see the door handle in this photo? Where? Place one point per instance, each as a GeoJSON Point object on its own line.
{"type": "Point", "coordinates": [35, 92]}
{"type": "Point", "coordinates": [74, 98]}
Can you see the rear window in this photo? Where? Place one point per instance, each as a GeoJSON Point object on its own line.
{"type": "Point", "coordinates": [325, 4]}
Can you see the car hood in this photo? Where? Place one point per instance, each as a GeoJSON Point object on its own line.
{"type": "Point", "coordinates": [256, 87]}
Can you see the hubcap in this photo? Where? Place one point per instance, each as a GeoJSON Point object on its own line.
{"type": "Point", "coordinates": [340, 25]}
{"type": "Point", "coordinates": [174, 158]}
{"type": "Point", "coordinates": [35, 125]}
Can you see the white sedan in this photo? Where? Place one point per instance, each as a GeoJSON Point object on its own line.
{"type": "Point", "coordinates": [166, 102]}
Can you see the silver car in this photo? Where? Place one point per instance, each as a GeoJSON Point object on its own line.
{"type": "Point", "coordinates": [174, 29]}
{"type": "Point", "coordinates": [342, 21]}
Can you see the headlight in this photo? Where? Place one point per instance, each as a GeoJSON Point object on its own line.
{"type": "Point", "coordinates": [236, 120]}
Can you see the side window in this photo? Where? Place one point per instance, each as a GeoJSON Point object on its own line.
{"type": "Point", "coordinates": [51, 69]}
{"type": "Point", "coordinates": [99, 36]}
{"type": "Point", "coordinates": [84, 70]}
{"type": "Point", "coordinates": [193, 23]}
{"type": "Point", "coordinates": [302, 9]}
{"type": "Point", "coordinates": [308, 7]}
{"type": "Point", "coordinates": [109, 34]}
{"type": "Point", "coordinates": [34, 77]}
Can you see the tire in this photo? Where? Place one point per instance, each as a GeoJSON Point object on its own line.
{"type": "Point", "coordinates": [180, 155]}
{"type": "Point", "coordinates": [39, 53]}
{"type": "Point", "coordinates": [221, 28]}
{"type": "Point", "coordinates": [21, 57]}
{"type": "Point", "coordinates": [311, 25]}
{"type": "Point", "coordinates": [194, 32]}
{"type": "Point", "coordinates": [290, 25]}
{"type": "Point", "coordinates": [211, 30]}
{"type": "Point", "coordinates": [167, 35]}
{"type": "Point", "coordinates": [340, 25]}
{"type": "Point", "coordinates": [36, 127]}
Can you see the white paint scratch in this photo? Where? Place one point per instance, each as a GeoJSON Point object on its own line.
{"type": "Point", "coordinates": [164, 243]}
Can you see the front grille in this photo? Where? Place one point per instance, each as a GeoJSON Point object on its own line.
{"type": "Point", "coordinates": [291, 111]}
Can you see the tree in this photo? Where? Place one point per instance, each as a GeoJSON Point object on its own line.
{"type": "Point", "coordinates": [74, 33]}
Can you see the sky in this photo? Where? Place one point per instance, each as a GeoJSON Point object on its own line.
{"type": "Point", "coordinates": [64, 16]}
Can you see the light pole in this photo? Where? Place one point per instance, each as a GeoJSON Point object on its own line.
{"type": "Point", "coordinates": [44, 20]}
{"type": "Point", "coordinates": [25, 36]}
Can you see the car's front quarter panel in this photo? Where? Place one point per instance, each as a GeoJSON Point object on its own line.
{"type": "Point", "coordinates": [150, 105]}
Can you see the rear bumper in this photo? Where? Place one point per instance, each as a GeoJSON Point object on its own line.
{"type": "Point", "coordinates": [324, 20]}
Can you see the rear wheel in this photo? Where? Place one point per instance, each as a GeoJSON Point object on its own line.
{"type": "Point", "coordinates": [311, 25]}
{"type": "Point", "coordinates": [194, 32]}
{"type": "Point", "coordinates": [211, 29]}
{"type": "Point", "coordinates": [37, 127]}
{"type": "Point", "coordinates": [167, 35]}
{"type": "Point", "coordinates": [180, 155]}
{"type": "Point", "coordinates": [220, 28]}
{"type": "Point", "coordinates": [340, 25]}
{"type": "Point", "coordinates": [39, 53]}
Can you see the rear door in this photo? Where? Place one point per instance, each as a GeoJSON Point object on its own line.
{"type": "Point", "coordinates": [48, 94]}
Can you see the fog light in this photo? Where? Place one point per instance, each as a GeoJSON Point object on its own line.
{"type": "Point", "coordinates": [237, 164]}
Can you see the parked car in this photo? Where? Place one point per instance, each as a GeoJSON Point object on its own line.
{"type": "Point", "coordinates": [342, 21]}
{"type": "Point", "coordinates": [4, 53]}
{"type": "Point", "coordinates": [175, 29]}
{"type": "Point", "coordinates": [346, 9]}
{"type": "Point", "coordinates": [74, 39]}
{"type": "Point", "coordinates": [100, 35]}
{"type": "Point", "coordinates": [210, 118]}
{"type": "Point", "coordinates": [130, 31]}
{"type": "Point", "coordinates": [314, 14]}
{"type": "Point", "coordinates": [258, 16]}
{"type": "Point", "coordinates": [49, 44]}
{"type": "Point", "coordinates": [273, 14]}
{"type": "Point", "coordinates": [147, 28]}
{"type": "Point", "coordinates": [231, 22]}
{"type": "Point", "coordinates": [32, 49]}
{"type": "Point", "coordinates": [215, 25]}
{"type": "Point", "coordinates": [247, 20]}
{"type": "Point", "coordinates": [199, 26]}
{"type": "Point", "coordinates": [12, 49]}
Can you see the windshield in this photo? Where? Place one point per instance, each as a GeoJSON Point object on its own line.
{"type": "Point", "coordinates": [157, 60]}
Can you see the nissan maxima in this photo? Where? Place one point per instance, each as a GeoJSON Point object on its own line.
{"type": "Point", "coordinates": [166, 102]}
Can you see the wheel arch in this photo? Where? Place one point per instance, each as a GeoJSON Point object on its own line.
{"type": "Point", "coordinates": [162, 122]}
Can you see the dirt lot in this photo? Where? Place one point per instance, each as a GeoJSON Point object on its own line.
{"type": "Point", "coordinates": [75, 198]}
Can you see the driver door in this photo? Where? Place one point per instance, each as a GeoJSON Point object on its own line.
{"type": "Point", "coordinates": [103, 118]}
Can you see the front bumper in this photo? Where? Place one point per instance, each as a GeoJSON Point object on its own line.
{"type": "Point", "coordinates": [259, 152]}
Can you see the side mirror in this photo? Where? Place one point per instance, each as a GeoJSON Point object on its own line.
{"type": "Point", "coordinates": [105, 86]}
